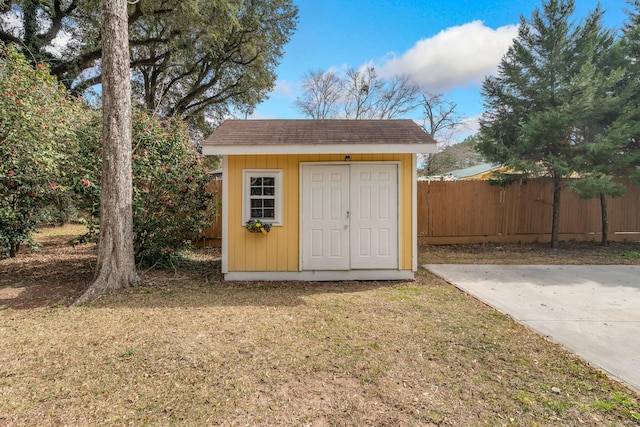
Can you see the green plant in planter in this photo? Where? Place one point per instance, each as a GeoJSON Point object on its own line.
{"type": "Point", "coordinates": [256, 226]}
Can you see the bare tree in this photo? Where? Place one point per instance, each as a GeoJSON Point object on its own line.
{"type": "Point", "coordinates": [322, 91]}
{"type": "Point", "coordinates": [360, 94]}
{"type": "Point", "coordinates": [116, 266]}
{"type": "Point", "coordinates": [397, 97]}
{"type": "Point", "coordinates": [361, 91]}
{"type": "Point", "coordinates": [440, 120]}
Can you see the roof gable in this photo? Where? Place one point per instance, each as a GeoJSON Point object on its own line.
{"type": "Point", "coordinates": [472, 171]}
{"type": "Point", "coordinates": [318, 136]}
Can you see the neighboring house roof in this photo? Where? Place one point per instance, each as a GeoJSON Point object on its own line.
{"type": "Point", "coordinates": [318, 137]}
{"type": "Point", "coordinates": [481, 171]}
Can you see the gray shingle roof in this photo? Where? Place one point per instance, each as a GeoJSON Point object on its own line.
{"type": "Point", "coordinates": [312, 132]}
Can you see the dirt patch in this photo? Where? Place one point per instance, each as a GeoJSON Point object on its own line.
{"type": "Point", "coordinates": [55, 274]}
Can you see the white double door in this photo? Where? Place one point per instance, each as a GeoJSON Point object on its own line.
{"type": "Point", "coordinates": [350, 216]}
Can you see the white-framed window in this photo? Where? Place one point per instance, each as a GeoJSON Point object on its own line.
{"type": "Point", "coordinates": [262, 195]}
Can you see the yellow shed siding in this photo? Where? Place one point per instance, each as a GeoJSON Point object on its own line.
{"type": "Point", "coordinates": [280, 249]}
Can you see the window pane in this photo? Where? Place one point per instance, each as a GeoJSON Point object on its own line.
{"type": "Point", "coordinates": [256, 191]}
{"type": "Point", "coordinates": [269, 213]}
{"type": "Point", "coordinates": [256, 213]}
{"type": "Point", "coordinates": [256, 203]}
{"type": "Point", "coordinates": [269, 203]}
{"type": "Point", "coordinates": [269, 191]}
{"type": "Point", "coordinates": [256, 181]}
{"type": "Point", "coordinates": [268, 181]}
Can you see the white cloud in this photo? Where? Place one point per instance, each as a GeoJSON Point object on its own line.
{"type": "Point", "coordinates": [469, 126]}
{"type": "Point", "coordinates": [284, 89]}
{"type": "Point", "coordinates": [457, 56]}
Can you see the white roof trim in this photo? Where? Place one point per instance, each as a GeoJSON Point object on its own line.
{"type": "Point", "coordinates": [209, 150]}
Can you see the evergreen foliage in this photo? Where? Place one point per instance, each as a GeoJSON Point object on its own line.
{"type": "Point", "coordinates": [51, 163]}
{"type": "Point", "coordinates": [546, 95]}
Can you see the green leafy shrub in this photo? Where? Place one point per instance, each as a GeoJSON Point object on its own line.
{"type": "Point", "coordinates": [170, 203]}
{"type": "Point", "coordinates": [37, 120]}
{"type": "Point", "coordinates": [51, 161]}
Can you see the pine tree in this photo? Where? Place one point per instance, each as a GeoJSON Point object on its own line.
{"type": "Point", "coordinates": [625, 131]}
{"type": "Point", "coordinates": [611, 138]}
{"type": "Point", "coordinates": [532, 105]}
{"type": "Point", "coordinates": [599, 88]}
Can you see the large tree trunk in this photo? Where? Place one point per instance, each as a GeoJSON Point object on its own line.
{"type": "Point", "coordinates": [605, 220]}
{"type": "Point", "coordinates": [555, 227]}
{"type": "Point", "coordinates": [116, 267]}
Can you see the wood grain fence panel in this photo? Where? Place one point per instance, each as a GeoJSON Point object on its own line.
{"type": "Point", "coordinates": [213, 234]}
{"type": "Point", "coordinates": [424, 206]}
{"type": "Point", "coordinates": [579, 216]}
{"type": "Point", "coordinates": [463, 210]}
{"type": "Point", "coordinates": [528, 207]}
{"type": "Point", "coordinates": [624, 212]}
{"type": "Point", "coordinates": [475, 211]}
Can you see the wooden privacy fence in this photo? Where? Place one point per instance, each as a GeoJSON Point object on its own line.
{"type": "Point", "coordinates": [213, 234]}
{"type": "Point", "coordinates": [475, 211]}
{"type": "Point", "coordinates": [452, 212]}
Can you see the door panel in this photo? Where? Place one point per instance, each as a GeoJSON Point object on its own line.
{"type": "Point", "coordinates": [374, 216]}
{"type": "Point", "coordinates": [325, 223]}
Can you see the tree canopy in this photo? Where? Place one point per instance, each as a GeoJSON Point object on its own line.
{"type": "Point", "coordinates": [456, 156]}
{"type": "Point", "coordinates": [192, 59]}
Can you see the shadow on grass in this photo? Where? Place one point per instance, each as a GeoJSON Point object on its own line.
{"type": "Point", "coordinates": [200, 284]}
{"type": "Point", "coordinates": [58, 274]}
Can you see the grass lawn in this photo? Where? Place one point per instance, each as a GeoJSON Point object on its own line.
{"type": "Point", "coordinates": [195, 350]}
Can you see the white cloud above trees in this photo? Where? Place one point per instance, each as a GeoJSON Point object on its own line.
{"type": "Point", "coordinates": [457, 56]}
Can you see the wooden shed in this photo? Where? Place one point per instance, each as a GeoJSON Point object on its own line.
{"type": "Point", "coordinates": [339, 197]}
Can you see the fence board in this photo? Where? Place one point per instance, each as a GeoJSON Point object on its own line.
{"type": "Point", "coordinates": [472, 213]}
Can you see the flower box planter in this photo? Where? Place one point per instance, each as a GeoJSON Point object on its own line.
{"type": "Point", "coordinates": [255, 226]}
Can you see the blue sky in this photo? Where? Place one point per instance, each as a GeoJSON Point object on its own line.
{"type": "Point", "coordinates": [448, 47]}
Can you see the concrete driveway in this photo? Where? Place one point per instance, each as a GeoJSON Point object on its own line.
{"type": "Point", "coordinates": [594, 311]}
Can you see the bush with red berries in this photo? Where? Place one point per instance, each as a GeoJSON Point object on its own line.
{"type": "Point", "coordinates": [51, 161]}
{"type": "Point", "coordinates": [171, 206]}
{"type": "Point", "coordinates": [35, 138]}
